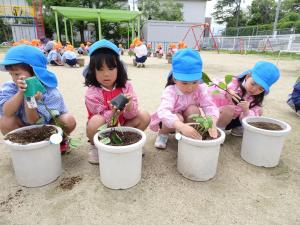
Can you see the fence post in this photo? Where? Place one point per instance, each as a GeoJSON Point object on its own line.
{"type": "Point", "coordinates": [233, 44]}
{"type": "Point", "coordinates": [290, 42]}
{"type": "Point", "coordinates": [249, 39]}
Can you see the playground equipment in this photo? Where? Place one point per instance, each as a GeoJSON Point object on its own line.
{"type": "Point", "coordinates": [204, 28]}
{"type": "Point", "coordinates": [25, 21]}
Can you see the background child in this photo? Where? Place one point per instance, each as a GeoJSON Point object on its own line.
{"type": "Point", "coordinates": [81, 50]}
{"type": "Point", "coordinates": [21, 62]}
{"type": "Point", "coordinates": [141, 52]}
{"type": "Point", "coordinates": [182, 97]}
{"type": "Point", "coordinates": [248, 90]}
{"type": "Point", "coordinates": [294, 98]}
{"type": "Point", "coordinates": [69, 57]}
{"type": "Point", "coordinates": [106, 78]}
{"type": "Point", "coordinates": [54, 57]}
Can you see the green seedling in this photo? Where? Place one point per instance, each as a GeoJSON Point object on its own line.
{"type": "Point", "coordinates": [222, 85]}
{"type": "Point", "coordinates": [203, 123]}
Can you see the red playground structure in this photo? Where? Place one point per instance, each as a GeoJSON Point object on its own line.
{"type": "Point", "coordinates": [204, 28]}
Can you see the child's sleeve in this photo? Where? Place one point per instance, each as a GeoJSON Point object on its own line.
{"type": "Point", "coordinates": [166, 108]}
{"type": "Point", "coordinates": [206, 103]}
{"type": "Point", "coordinates": [53, 101]}
{"type": "Point", "coordinates": [296, 95]}
{"type": "Point", "coordinates": [94, 102]}
{"type": "Point", "coordinates": [8, 90]}
{"type": "Point", "coordinates": [134, 107]}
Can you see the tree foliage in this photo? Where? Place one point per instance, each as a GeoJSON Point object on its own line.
{"type": "Point", "coordinates": [261, 12]}
{"type": "Point", "coordinates": [169, 10]}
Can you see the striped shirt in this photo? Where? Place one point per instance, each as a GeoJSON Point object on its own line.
{"type": "Point", "coordinates": [51, 98]}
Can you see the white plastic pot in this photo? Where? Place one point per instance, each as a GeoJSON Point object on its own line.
{"type": "Point", "coordinates": [198, 159]}
{"type": "Point", "coordinates": [263, 147]}
{"type": "Point", "coordinates": [35, 164]}
{"type": "Point", "coordinates": [120, 166]}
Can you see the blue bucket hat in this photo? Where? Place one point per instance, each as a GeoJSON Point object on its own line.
{"type": "Point", "coordinates": [103, 44]}
{"type": "Point", "coordinates": [264, 74]}
{"type": "Point", "coordinates": [34, 57]}
{"type": "Point", "coordinates": [100, 44]}
{"type": "Point", "coordinates": [187, 65]}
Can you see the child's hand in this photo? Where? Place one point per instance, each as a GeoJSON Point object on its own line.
{"type": "Point", "coordinates": [233, 96]}
{"type": "Point", "coordinates": [245, 106]}
{"type": "Point", "coordinates": [38, 95]}
{"type": "Point", "coordinates": [189, 131]}
{"type": "Point", "coordinates": [213, 132]}
{"type": "Point", "coordinates": [21, 83]}
{"type": "Point", "coordinates": [129, 104]}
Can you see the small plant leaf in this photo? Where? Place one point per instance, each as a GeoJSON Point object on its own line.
{"type": "Point", "coordinates": [222, 85]}
{"type": "Point", "coordinates": [116, 139]}
{"type": "Point", "coordinates": [103, 127]}
{"type": "Point", "coordinates": [206, 78]}
{"type": "Point", "coordinates": [228, 79]}
{"type": "Point", "coordinates": [105, 140]}
{"type": "Point", "coordinates": [214, 92]}
{"type": "Point", "coordinates": [54, 113]}
{"type": "Point", "coordinates": [74, 142]}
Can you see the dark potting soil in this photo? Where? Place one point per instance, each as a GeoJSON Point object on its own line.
{"type": "Point", "coordinates": [67, 183]}
{"type": "Point", "coordinates": [206, 135]}
{"type": "Point", "coordinates": [32, 135]}
{"type": "Point", "coordinates": [266, 125]}
{"type": "Point", "coordinates": [128, 137]}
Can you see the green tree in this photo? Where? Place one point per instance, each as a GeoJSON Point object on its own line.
{"type": "Point", "coordinates": [5, 32]}
{"type": "Point", "coordinates": [261, 12]}
{"type": "Point", "coordinates": [171, 11]}
{"type": "Point", "coordinates": [290, 6]}
{"type": "Point", "coordinates": [224, 10]}
{"type": "Point", "coordinates": [150, 9]}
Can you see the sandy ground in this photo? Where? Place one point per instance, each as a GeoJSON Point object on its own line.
{"type": "Point", "coordinates": [240, 193]}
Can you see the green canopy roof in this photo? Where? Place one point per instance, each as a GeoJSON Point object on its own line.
{"type": "Point", "coordinates": [89, 14]}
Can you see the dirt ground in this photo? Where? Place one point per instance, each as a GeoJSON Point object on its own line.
{"type": "Point", "coordinates": [240, 193]}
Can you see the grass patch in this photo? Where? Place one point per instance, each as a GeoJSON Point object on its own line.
{"type": "Point", "coordinates": [283, 55]}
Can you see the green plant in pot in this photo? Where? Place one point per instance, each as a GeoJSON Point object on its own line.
{"type": "Point", "coordinates": [119, 102]}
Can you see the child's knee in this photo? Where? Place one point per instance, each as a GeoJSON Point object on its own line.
{"type": "Point", "coordinates": [69, 121]}
{"type": "Point", "coordinates": [227, 112]}
{"type": "Point", "coordinates": [8, 124]}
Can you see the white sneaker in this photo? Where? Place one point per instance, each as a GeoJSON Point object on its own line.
{"type": "Point", "coordinates": [238, 131]}
{"type": "Point", "coordinates": [93, 155]}
{"type": "Point", "coordinates": [161, 141]}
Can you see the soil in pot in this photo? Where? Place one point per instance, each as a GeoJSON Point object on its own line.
{"type": "Point", "coordinates": [127, 137]}
{"type": "Point", "coordinates": [206, 134]}
{"type": "Point", "coordinates": [32, 135]}
{"type": "Point", "coordinates": [266, 125]}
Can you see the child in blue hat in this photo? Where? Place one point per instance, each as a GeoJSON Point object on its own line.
{"type": "Point", "coordinates": [294, 98]}
{"type": "Point", "coordinates": [106, 78]}
{"type": "Point", "coordinates": [22, 62]}
{"type": "Point", "coordinates": [183, 97]}
{"type": "Point", "coordinates": [247, 94]}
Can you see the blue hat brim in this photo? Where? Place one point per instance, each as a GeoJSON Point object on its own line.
{"type": "Point", "coordinates": [103, 44]}
{"type": "Point", "coordinates": [260, 82]}
{"type": "Point", "coordinates": [187, 77]}
{"type": "Point", "coordinates": [257, 80]}
{"type": "Point", "coordinates": [45, 76]}
{"type": "Point", "coordinates": [8, 62]}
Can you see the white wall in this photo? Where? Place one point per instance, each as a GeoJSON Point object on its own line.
{"type": "Point", "coordinates": [194, 11]}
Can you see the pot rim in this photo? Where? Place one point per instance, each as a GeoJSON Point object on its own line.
{"type": "Point", "coordinates": [120, 149]}
{"type": "Point", "coordinates": [29, 146]}
{"type": "Point", "coordinates": [286, 128]}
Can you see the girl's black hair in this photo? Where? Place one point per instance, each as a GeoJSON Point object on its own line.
{"type": "Point", "coordinates": [170, 80]}
{"type": "Point", "coordinates": [22, 66]}
{"type": "Point", "coordinates": [112, 60]}
{"type": "Point", "coordinates": [258, 99]}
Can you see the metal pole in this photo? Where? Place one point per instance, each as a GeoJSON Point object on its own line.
{"type": "Point", "coordinates": [128, 42]}
{"type": "Point", "coordinates": [99, 27]}
{"type": "Point", "coordinates": [132, 30]}
{"type": "Point", "coordinates": [72, 39]}
{"type": "Point", "coordinates": [276, 18]}
{"type": "Point", "coordinates": [57, 27]}
{"type": "Point", "coordinates": [138, 24]}
{"type": "Point", "coordinates": [66, 30]}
